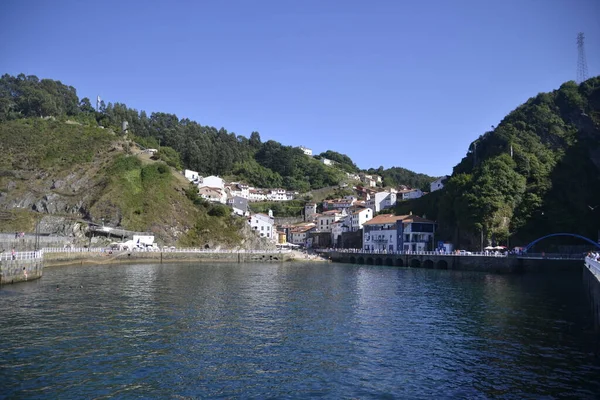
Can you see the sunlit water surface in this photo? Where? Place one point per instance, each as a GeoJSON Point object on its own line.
{"type": "Point", "coordinates": [295, 331]}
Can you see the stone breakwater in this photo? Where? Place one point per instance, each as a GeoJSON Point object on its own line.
{"type": "Point", "coordinates": [134, 257]}
{"type": "Point", "coordinates": [21, 268]}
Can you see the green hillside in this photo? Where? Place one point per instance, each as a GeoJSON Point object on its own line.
{"type": "Point", "coordinates": [536, 173]}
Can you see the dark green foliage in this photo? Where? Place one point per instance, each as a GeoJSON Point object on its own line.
{"type": "Point", "coordinates": [395, 176]}
{"type": "Point", "coordinates": [549, 184]}
{"type": "Point", "coordinates": [291, 208]}
{"type": "Point", "coordinates": [343, 161]}
{"type": "Point", "coordinates": [37, 143]}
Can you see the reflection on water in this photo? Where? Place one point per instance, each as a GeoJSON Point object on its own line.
{"type": "Point", "coordinates": [295, 331]}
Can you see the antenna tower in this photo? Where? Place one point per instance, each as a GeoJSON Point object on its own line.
{"type": "Point", "coordinates": [582, 73]}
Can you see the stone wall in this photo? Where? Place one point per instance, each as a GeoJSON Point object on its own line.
{"type": "Point", "coordinates": [13, 271]}
{"type": "Point", "coordinates": [122, 257]}
{"type": "Point", "coordinates": [459, 263]}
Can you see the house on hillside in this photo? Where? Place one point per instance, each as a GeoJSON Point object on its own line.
{"type": "Point", "coordinates": [382, 200]}
{"type": "Point", "coordinates": [191, 176]}
{"type": "Point", "coordinates": [212, 181]}
{"type": "Point", "coordinates": [238, 189]}
{"type": "Point", "coordinates": [239, 205]}
{"type": "Point", "coordinates": [264, 226]}
{"type": "Point", "coordinates": [438, 183]}
{"type": "Point", "coordinates": [393, 233]}
{"type": "Point", "coordinates": [213, 194]}
{"type": "Point", "coordinates": [327, 161]}
{"type": "Point", "coordinates": [407, 194]}
{"type": "Point", "coordinates": [306, 150]}
{"type": "Point", "coordinates": [299, 234]}
{"type": "Point", "coordinates": [358, 217]}
{"type": "Point", "coordinates": [327, 218]}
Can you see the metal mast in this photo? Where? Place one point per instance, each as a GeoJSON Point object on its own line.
{"type": "Point", "coordinates": [582, 73]}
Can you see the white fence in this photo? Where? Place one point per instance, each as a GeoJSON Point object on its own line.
{"type": "Point", "coordinates": [420, 253]}
{"type": "Point", "coordinates": [28, 255]}
{"type": "Point", "coordinates": [21, 255]}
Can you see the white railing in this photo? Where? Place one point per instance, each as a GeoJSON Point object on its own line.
{"type": "Point", "coordinates": [419, 253]}
{"type": "Point", "coordinates": [593, 266]}
{"type": "Point", "coordinates": [164, 250]}
{"type": "Point", "coordinates": [21, 255]}
{"type": "Point", "coordinates": [29, 255]}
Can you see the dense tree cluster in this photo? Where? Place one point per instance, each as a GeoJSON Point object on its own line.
{"type": "Point", "coordinates": [535, 173]}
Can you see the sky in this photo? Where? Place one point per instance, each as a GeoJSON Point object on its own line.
{"type": "Point", "coordinates": [389, 83]}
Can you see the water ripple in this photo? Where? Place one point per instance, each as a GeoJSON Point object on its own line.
{"type": "Point", "coordinates": [295, 331]}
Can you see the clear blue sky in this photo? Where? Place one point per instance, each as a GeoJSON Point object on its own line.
{"type": "Point", "coordinates": [392, 83]}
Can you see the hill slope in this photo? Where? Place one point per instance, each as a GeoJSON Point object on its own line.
{"type": "Point", "coordinates": [537, 172]}
{"type": "Point", "coordinates": [75, 173]}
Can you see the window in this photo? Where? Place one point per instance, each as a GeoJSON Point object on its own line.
{"type": "Point", "coordinates": [262, 228]}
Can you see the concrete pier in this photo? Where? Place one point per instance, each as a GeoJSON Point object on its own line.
{"type": "Point", "coordinates": [21, 267]}
{"type": "Point", "coordinates": [512, 264]}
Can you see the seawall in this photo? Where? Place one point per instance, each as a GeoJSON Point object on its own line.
{"type": "Point", "coordinates": [591, 282]}
{"type": "Point", "coordinates": [134, 257]}
{"type": "Point", "coordinates": [460, 262]}
{"type": "Point", "coordinates": [21, 269]}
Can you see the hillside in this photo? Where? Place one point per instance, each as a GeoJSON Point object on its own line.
{"type": "Point", "coordinates": [67, 175]}
{"type": "Point", "coordinates": [537, 172]}
{"type": "Point", "coordinates": [183, 143]}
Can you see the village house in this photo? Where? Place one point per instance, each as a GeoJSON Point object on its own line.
{"type": "Point", "coordinates": [213, 194]}
{"type": "Point", "coordinates": [353, 176]}
{"type": "Point", "coordinates": [382, 200]}
{"type": "Point", "coordinates": [393, 233]}
{"type": "Point", "coordinates": [327, 161]}
{"type": "Point", "coordinates": [337, 204]}
{"type": "Point", "coordinates": [239, 205]}
{"type": "Point", "coordinates": [276, 195]}
{"type": "Point", "coordinates": [358, 217]}
{"type": "Point", "coordinates": [212, 181]}
{"type": "Point", "coordinates": [256, 195]}
{"type": "Point", "coordinates": [407, 194]}
{"type": "Point", "coordinates": [238, 189]}
{"type": "Point", "coordinates": [438, 183]}
{"type": "Point", "coordinates": [299, 234]}
{"type": "Point", "coordinates": [264, 226]}
{"type": "Point", "coordinates": [191, 176]}
{"type": "Point", "coordinates": [306, 150]}
{"type": "Point", "coordinates": [327, 218]}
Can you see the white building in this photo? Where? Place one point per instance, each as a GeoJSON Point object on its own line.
{"type": "Point", "coordinates": [327, 161]}
{"type": "Point", "coordinates": [213, 194]}
{"type": "Point", "coordinates": [407, 194]}
{"type": "Point", "coordinates": [277, 195]}
{"type": "Point", "coordinates": [327, 218]}
{"type": "Point", "coordinates": [299, 235]}
{"type": "Point", "coordinates": [393, 233]}
{"type": "Point", "coordinates": [212, 181]}
{"type": "Point", "coordinates": [306, 150]}
{"type": "Point", "coordinates": [191, 176]}
{"type": "Point", "coordinates": [238, 189]}
{"type": "Point", "coordinates": [263, 225]}
{"type": "Point", "coordinates": [337, 204]}
{"type": "Point", "coordinates": [256, 195]}
{"type": "Point", "coordinates": [382, 200]}
{"type": "Point", "coordinates": [438, 183]}
{"type": "Point", "coordinates": [359, 217]}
